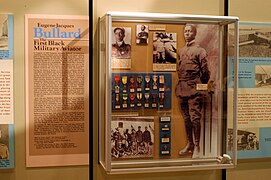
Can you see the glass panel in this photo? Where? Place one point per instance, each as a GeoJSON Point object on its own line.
{"type": "Point", "coordinates": [102, 93]}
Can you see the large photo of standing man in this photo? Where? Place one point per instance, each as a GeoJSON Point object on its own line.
{"type": "Point", "coordinates": [193, 69]}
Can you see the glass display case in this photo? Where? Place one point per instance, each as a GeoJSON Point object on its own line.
{"type": "Point", "coordinates": [165, 91]}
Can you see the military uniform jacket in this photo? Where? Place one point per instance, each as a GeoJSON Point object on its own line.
{"type": "Point", "coordinates": [146, 136]}
{"type": "Point", "coordinates": [122, 52]}
{"type": "Point", "coordinates": [192, 69]}
{"type": "Point", "coordinates": [143, 36]}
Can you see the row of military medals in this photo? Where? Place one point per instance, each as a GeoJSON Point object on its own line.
{"type": "Point", "coordinates": [136, 97]}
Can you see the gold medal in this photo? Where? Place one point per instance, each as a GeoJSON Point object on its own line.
{"type": "Point", "coordinates": [161, 82]}
{"type": "Point", "coordinates": [124, 82]}
{"type": "Point", "coordinates": [154, 83]}
{"type": "Point", "coordinates": [139, 97]}
{"type": "Point", "coordinates": [124, 97]}
{"type": "Point", "coordinates": [117, 98]}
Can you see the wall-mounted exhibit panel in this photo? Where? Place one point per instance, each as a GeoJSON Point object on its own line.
{"type": "Point", "coordinates": [57, 90]}
{"type": "Point", "coordinates": [163, 92]}
{"type": "Point", "coordinates": [253, 135]}
{"type": "Point", "coordinates": [6, 92]}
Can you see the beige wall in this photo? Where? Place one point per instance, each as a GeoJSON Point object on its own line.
{"type": "Point", "coordinates": [249, 10]}
{"type": "Point", "coordinates": [207, 7]}
{"type": "Point", "coordinates": [19, 8]}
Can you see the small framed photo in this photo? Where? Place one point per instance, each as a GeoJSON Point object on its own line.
{"type": "Point", "coordinates": [164, 51]}
{"type": "Point", "coordinates": [142, 34]}
{"type": "Point", "coordinates": [121, 47]}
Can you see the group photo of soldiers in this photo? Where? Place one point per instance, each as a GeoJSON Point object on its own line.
{"type": "Point", "coordinates": [131, 139]}
{"type": "Point", "coordinates": [4, 32]}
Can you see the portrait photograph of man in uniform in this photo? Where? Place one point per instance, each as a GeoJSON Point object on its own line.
{"type": "Point", "coordinates": [198, 105]}
{"type": "Point", "coordinates": [121, 47]}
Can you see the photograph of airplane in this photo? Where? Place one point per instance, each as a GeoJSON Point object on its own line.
{"type": "Point", "coordinates": [254, 40]}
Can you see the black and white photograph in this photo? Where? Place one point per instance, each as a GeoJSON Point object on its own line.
{"type": "Point", "coordinates": [142, 34]}
{"type": "Point", "coordinates": [164, 51]}
{"type": "Point", "coordinates": [132, 137]}
{"type": "Point", "coordinates": [121, 48]}
{"type": "Point", "coordinates": [3, 32]}
{"type": "Point", "coordinates": [254, 40]}
{"type": "Point", "coordinates": [247, 139]}
{"type": "Point", "coordinates": [121, 43]}
{"type": "Point", "coordinates": [4, 142]}
{"type": "Point", "coordinates": [263, 76]}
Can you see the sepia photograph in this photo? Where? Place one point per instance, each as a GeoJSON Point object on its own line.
{"type": "Point", "coordinates": [254, 40]}
{"type": "Point", "coordinates": [132, 137]}
{"type": "Point", "coordinates": [121, 43]}
{"type": "Point", "coordinates": [4, 141]}
{"type": "Point", "coordinates": [197, 64]}
{"type": "Point", "coordinates": [164, 47]}
{"type": "Point", "coordinates": [263, 76]}
{"type": "Point", "coordinates": [3, 32]}
{"type": "Point", "coordinates": [247, 139]}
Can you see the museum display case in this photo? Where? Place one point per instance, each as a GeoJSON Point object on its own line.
{"type": "Point", "coordinates": [166, 97]}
